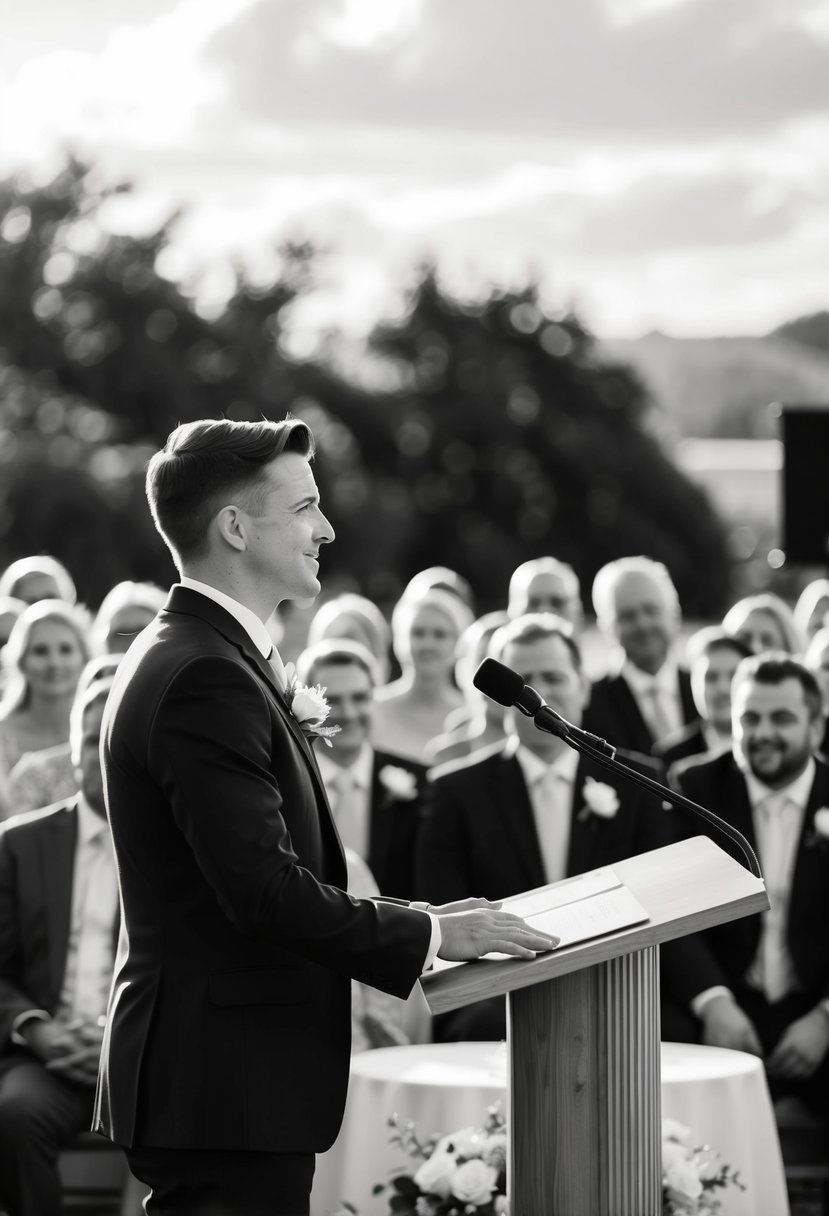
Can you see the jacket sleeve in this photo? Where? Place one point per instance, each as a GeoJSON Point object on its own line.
{"type": "Point", "coordinates": [13, 1001]}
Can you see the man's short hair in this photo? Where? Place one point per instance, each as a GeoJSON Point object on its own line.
{"type": "Point", "coordinates": [336, 652]}
{"type": "Point", "coordinates": [205, 464]}
{"type": "Point", "coordinates": [773, 667]}
{"type": "Point", "coordinates": [609, 576]}
{"type": "Point", "coordinates": [534, 627]}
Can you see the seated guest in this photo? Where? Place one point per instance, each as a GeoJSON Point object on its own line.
{"type": "Point", "coordinates": [761, 983]}
{"type": "Point", "coordinates": [46, 650]}
{"type": "Point", "coordinates": [46, 776]}
{"type": "Point", "coordinates": [124, 612]}
{"type": "Point", "coordinates": [812, 608]}
{"type": "Point", "coordinates": [529, 811]}
{"type": "Point", "coordinates": [816, 659]}
{"type": "Point", "coordinates": [764, 622]}
{"type": "Point", "coordinates": [648, 696]}
{"type": "Point", "coordinates": [375, 796]}
{"type": "Point", "coordinates": [355, 617]}
{"type": "Point", "coordinates": [545, 584]}
{"type": "Point", "coordinates": [58, 909]}
{"type": "Point", "coordinates": [480, 721]}
{"type": "Point", "coordinates": [713, 656]}
{"type": "Point", "coordinates": [32, 579]}
{"type": "Point", "coordinates": [415, 707]}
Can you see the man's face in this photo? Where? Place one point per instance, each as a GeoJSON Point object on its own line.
{"type": "Point", "coordinates": [547, 592]}
{"type": "Point", "coordinates": [774, 734]}
{"type": "Point", "coordinates": [547, 664]}
{"type": "Point", "coordinates": [53, 660]}
{"type": "Point", "coordinates": [284, 541]}
{"type": "Point", "coordinates": [644, 625]}
{"type": "Point", "coordinates": [350, 694]}
{"type": "Point", "coordinates": [88, 770]}
{"type": "Point", "coordinates": [711, 677]}
{"type": "Point", "coordinates": [760, 631]}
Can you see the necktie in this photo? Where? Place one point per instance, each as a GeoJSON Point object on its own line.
{"type": "Point", "coordinates": [775, 966]}
{"type": "Point", "coordinates": [349, 811]}
{"type": "Point", "coordinates": [93, 970]}
{"type": "Point", "coordinates": [551, 802]}
{"type": "Point", "coordinates": [658, 719]}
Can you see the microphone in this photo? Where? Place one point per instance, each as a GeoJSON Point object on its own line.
{"type": "Point", "coordinates": [505, 686]}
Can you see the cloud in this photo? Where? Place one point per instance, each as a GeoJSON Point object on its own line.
{"type": "Point", "coordinates": [703, 67]}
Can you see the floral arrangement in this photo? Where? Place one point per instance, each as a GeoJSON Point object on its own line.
{"type": "Point", "coordinates": [465, 1173]}
{"type": "Point", "coordinates": [600, 800]}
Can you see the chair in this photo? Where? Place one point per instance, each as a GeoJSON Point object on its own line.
{"type": "Point", "coordinates": [804, 1143]}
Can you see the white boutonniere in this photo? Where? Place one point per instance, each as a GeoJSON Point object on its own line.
{"type": "Point", "coordinates": [820, 829]}
{"type": "Point", "coordinates": [309, 708]}
{"type": "Point", "coordinates": [599, 799]}
{"type": "Point", "coordinates": [399, 782]}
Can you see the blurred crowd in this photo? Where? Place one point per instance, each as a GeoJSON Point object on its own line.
{"type": "Point", "coordinates": [438, 793]}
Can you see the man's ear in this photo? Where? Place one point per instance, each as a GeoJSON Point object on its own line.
{"type": "Point", "coordinates": [230, 526]}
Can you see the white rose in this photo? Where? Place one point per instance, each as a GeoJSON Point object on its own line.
{"type": "Point", "coordinates": [399, 782]}
{"type": "Point", "coordinates": [601, 799]}
{"type": "Point", "coordinates": [822, 822]}
{"type": "Point", "coordinates": [474, 1182]}
{"type": "Point", "coordinates": [436, 1174]}
{"type": "Point", "coordinates": [309, 704]}
{"type": "Point", "coordinates": [468, 1142]}
{"type": "Point", "coordinates": [678, 1172]}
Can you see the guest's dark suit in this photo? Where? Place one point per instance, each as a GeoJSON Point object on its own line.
{"type": "Point", "coordinates": [613, 712]}
{"type": "Point", "coordinates": [393, 827]}
{"type": "Point", "coordinates": [229, 1023]}
{"type": "Point", "coordinates": [479, 835]}
{"type": "Point", "coordinates": [722, 955]}
{"type": "Point", "coordinates": [38, 1109]}
{"type": "Point", "coordinates": [689, 740]}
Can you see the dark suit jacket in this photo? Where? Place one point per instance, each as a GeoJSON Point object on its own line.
{"type": "Point", "coordinates": [479, 837]}
{"type": "Point", "coordinates": [724, 953]}
{"type": "Point", "coordinates": [230, 1019]}
{"type": "Point", "coordinates": [393, 828]}
{"type": "Point", "coordinates": [37, 857]}
{"type": "Point", "coordinates": [689, 740]}
{"type": "Point", "coordinates": [613, 713]}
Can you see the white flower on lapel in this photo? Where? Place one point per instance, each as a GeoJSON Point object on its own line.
{"type": "Point", "coordinates": [399, 782]}
{"type": "Point", "coordinates": [599, 799]}
{"type": "Point", "coordinates": [310, 708]}
{"type": "Point", "coordinates": [819, 834]}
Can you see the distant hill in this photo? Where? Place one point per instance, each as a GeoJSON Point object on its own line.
{"type": "Point", "coordinates": [723, 387]}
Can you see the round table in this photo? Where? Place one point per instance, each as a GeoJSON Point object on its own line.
{"type": "Point", "coordinates": [721, 1096]}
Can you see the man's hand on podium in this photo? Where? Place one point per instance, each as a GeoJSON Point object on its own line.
{"type": "Point", "coordinates": [471, 928]}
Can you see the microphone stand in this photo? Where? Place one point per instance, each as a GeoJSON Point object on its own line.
{"type": "Point", "coordinates": [609, 760]}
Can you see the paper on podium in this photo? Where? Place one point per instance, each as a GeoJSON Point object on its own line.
{"type": "Point", "coordinates": [579, 908]}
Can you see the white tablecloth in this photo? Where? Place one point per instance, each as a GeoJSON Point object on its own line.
{"type": "Point", "coordinates": [720, 1095]}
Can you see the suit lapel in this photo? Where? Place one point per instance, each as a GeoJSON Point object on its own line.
{"type": "Point", "coordinates": [689, 709]}
{"type": "Point", "coordinates": [628, 710]}
{"type": "Point", "coordinates": [379, 823]}
{"type": "Point", "coordinates": [57, 862]}
{"type": "Point", "coordinates": [512, 800]}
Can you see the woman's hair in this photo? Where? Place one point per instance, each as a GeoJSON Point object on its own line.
{"type": "Point", "coordinates": [811, 597]}
{"type": "Point", "coordinates": [205, 464]}
{"type": "Point", "coordinates": [773, 606]}
{"type": "Point", "coordinates": [330, 621]}
{"type": "Point", "coordinates": [50, 567]}
{"type": "Point", "coordinates": [75, 617]}
{"type": "Point", "coordinates": [121, 596]}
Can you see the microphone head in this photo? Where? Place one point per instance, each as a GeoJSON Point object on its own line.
{"type": "Point", "coordinates": [498, 682]}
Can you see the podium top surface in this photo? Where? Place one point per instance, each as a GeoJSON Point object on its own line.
{"type": "Point", "coordinates": [684, 888]}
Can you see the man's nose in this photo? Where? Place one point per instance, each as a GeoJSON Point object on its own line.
{"type": "Point", "coordinates": [324, 533]}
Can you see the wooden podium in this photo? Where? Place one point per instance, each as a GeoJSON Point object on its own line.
{"type": "Point", "coordinates": [583, 1038]}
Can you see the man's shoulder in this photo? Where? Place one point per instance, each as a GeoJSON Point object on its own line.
{"type": "Point", "coordinates": [702, 770]}
{"type": "Point", "coordinates": [472, 767]}
{"type": "Point", "coordinates": [30, 824]}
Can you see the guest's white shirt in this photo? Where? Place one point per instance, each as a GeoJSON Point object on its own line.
{"type": "Point", "coordinates": [359, 775]}
{"type": "Point", "coordinates": [550, 787]}
{"type": "Point", "coordinates": [666, 685]}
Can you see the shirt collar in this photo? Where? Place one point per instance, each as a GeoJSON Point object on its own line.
{"type": "Point", "coordinates": [797, 791]}
{"type": "Point", "coordinates": [90, 823]}
{"type": "Point", "coordinates": [534, 768]}
{"type": "Point", "coordinates": [256, 629]}
{"type": "Point", "coordinates": [666, 679]}
{"type": "Point", "coordinates": [361, 769]}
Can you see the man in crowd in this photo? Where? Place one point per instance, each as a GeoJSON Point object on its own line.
{"type": "Point", "coordinates": [714, 656]}
{"type": "Point", "coordinates": [225, 1062]}
{"type": "Point", "coordinates": [531, 811]}
{"type": "Point", "coordinates": [761, 983]}
{"type": "Point", "coordinates": [58, 912]}
{"type": "Point", "coordinates": [375, 797]}
{"type": "Point", "coordinates": [545, 584]}
{"type": "Point", "coordinates": [649, 696]}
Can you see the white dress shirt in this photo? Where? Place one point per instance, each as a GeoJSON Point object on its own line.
{"type": "Point", "coordinates": [550, 787]}
{"type": "Point", "coordinates": [349, 792]}
{"type": "Point", "coordinates": [657, 696]}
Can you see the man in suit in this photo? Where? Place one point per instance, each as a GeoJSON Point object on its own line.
{"type": "Point", "coordinates": [375, 797]}
{"type": "Point", "coordinates": [225, 1059]}
{"type": "Point", "coordinates": [649, 695]}
{"type": "Point", "coordinates": [761, 983]}
{"type": "Point", "coordinates": [713, 657]}
{"type": "Point", "coordinates": [545, 584]}
{"type": "Point", "coordinates": [530, 811]}
{"type": "Point", "coordinates": [58, 909]}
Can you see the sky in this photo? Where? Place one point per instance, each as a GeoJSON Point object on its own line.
{"type": "Point", "coordinates": [654, 164]}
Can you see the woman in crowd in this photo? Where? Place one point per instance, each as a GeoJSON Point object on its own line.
{"type": "Point", "coordinates": [480, 721]}
{"type": "Point", "coordinates": [43, 659]}
{"type": "Point", "coordinates": [36, 578]}
{"type": "Point", "coordinates": [413, 709]}
{"type": "Point", "coordinates": [124, 612]}
{"type": "Point", "coordinates": [812, 608]}
{"type": "Point", "coordinates": [764, 622]}
{"type": "Point", "coordinates": [354, 617]}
